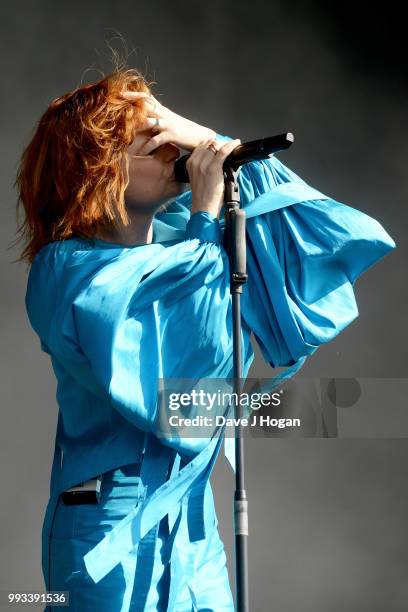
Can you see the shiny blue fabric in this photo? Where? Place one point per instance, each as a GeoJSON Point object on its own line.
{"type": "Point", "coordinates": [76, 529]}
{"type": "Point", "coordinates": [114, 319]}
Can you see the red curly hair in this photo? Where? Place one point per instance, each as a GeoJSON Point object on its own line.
{"type": "Point", "coordinates": [71, 177]}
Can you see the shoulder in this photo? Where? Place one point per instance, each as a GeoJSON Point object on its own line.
{"type": "Point", "coordinates": [57, 252]}
{"type": "Point", "coordinates": [47, 269]}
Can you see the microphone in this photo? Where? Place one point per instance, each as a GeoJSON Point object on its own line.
{"type": "Point", "coordinates": [242, 154]}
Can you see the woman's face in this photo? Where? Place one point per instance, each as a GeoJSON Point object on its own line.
{"type": "Point", "coordinates": [151, 177]}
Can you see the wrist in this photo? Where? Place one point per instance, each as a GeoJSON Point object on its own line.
{"type": "Point", "coordinates": [208, 208]}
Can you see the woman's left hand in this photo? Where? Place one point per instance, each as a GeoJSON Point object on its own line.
{"type": "Point", "coordinates": [168, 126]}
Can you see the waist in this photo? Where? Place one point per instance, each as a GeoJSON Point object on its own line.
{"type": "Point", "coordinates": [81, 463]}
{"type": "Point", "coordinates": [117, 482]}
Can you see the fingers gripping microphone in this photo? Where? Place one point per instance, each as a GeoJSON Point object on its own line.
{"type": "Point", "coordinates": [242, 154]}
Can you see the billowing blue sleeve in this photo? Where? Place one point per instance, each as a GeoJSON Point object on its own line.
{"type": "Point", "coordinates": [152, 312]}
{"type": "Point", "coordinates": [305, 251]}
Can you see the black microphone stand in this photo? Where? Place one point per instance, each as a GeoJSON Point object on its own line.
{"type": "Point", "coordinates": [235, 245]}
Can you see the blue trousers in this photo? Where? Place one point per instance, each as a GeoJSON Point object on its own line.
{"type": "Point", "coordinates": [77, 528]}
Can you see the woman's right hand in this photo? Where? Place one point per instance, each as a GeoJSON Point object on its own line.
{"type": "Point", "coordinates": [204, 168]}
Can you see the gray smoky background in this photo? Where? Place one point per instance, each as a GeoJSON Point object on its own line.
{"type": "Point", "coordinates": [327, 516]}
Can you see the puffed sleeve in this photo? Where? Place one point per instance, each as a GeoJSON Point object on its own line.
{"type": "Point", "coordinates": [117, 326]}
{"type": "Point", "coordinates": [305, 250]}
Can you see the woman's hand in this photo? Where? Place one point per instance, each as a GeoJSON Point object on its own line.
{"type": "Point", "coordinates": [204, 167]}
{"type": "Point", "coordinates": [168, 126]}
